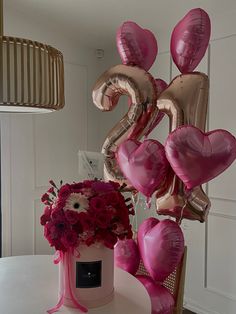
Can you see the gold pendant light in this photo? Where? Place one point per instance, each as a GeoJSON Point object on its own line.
{"type": "Point", "coordinates": [31, 75]}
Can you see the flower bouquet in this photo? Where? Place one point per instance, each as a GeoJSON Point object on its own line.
{"type": "Point", "coordinates": [83, 222]}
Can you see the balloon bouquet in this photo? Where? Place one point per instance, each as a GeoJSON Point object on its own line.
{"type": "Point", "coordinates": [189, 158]}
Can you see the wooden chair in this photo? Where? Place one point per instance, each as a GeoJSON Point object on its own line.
{"type": "Point", "coordinates": [174, 282]}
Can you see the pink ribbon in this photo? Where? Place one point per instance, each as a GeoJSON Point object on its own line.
{"type": "Point", "coordinates": [64, 258]}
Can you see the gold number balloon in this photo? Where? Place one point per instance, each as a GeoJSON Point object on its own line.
{"type": "Point", "coordinates": [185, 101]}
{"type": "Point", "coordinates": [140, 87]}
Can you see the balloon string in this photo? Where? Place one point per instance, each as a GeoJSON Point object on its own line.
{"type": "Point", "coordinates": [182, 213]}
{"type": "Point", "coordinates": [135, 200]}
{"type": "Point", "coordinates": [148, 202]}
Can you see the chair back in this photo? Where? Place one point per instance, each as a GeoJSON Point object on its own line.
{"type": "Point", "coordinates": [174, 282]}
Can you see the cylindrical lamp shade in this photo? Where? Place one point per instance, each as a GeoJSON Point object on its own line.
{"type": "Point", "coordinates": [32, 76]}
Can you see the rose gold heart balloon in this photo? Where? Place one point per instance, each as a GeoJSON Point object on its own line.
{"type": "Point", "coordinates": [140, 86]}
{"type": "Point", "coordinates": [185, 101]}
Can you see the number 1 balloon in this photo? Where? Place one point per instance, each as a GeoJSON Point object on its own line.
{"type": "Point", "coordinates": [185, 101]}
{"type": "Point", "coordinates": [161, 85]}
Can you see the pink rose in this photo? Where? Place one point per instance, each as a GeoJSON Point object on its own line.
{"type": "Point", "coordinates": [69, 239]}
{"type": "Point", "coordinates": [76, 187]}
{"type": "Point", "coordinates": [86, 221]}
{"type": "Point", "coordinates": [57, 214]}
{"type": "Point", "coordinates": [115, 185]}
{"type": "Point", "coordinates": [102, 187]}
{"type": "Point", "coordinates": [103, 218]}
{"type": "Point", "coordinates": [72, 216]}
{"type": "Point", "coordinates": [97, 203]}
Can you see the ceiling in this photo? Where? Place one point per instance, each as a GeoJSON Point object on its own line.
{"type": "Point", "coordinates": [93, 23]}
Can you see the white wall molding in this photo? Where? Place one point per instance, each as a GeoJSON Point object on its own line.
{"type": "Point", "coordinates": [194, 307]}
{"type": "Point", "coordinates": [223, 294]}
{"type": "Point", "coordinates": [221, 215]}
{"type": "Point", "coordinates": [6, 185]}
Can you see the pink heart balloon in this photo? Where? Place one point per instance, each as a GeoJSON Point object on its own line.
{"type": "Point", "coordinates": [161, 86]}
{"type": "Point", "coordinates": [136, 46]}
{"type": "Point", "coordinates": [161, 245]}
{"type": "Point", "coordinates": [161, 299]}
{"type": "Point", "coordinates": [126, 254]}
{"type": "Point", "coordinates": [197, 157]}
{"type": "Point", "coordinates": [143, 164]}
{"type": "Point", "coordinates": [190, 39]}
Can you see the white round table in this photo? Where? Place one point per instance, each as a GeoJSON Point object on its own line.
{"type": "Point", "coordinates": [29, 285]}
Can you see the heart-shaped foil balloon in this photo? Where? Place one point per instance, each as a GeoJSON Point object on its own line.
{"type": "Point", "coordinates": [136, 46]}
{"type": "Point", "coordinates": [161, 245]}
{"type": "Point", "coordinates": [143, 164]}
{"type": "Point", "coordinates": [161, 299]}
{"type": "Point", "coordinates": [197, 157]}
{"type": "Point", "coordinates": [126, 255]}
{"type": "Point", "coordinates": [190, 39]}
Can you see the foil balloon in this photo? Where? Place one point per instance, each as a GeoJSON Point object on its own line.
{"type": "Point", "coordinates": [161, 245]}
{"type": "Point", "coordinates": [126, 255]}
{"type": "Point", "coordinates": [136, 46]}
{"type": "Point", "coordinates": [190, 39]}
{"type": "Point", "coordinates": [197, 157]}
{"type": "Point", "coordinates": [141, 88]}
{"type": "Point", "coordinates": [161, 85]}
{"type": "Point", "coordinates": [185, 101]}
{"type": "Point", "coordinates": [161, 299]}
{"type": "Point", "coordinates": [143, 164]}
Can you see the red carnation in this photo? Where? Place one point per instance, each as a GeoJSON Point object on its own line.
{"type": "Point", "coordinates": [51, 191]}
{"type": "Point", "coordinates": [64, 191]}
{"type": "Point", "coordinates": [44, 219]}
{"type": "Point", "coordinates": [45, 198]}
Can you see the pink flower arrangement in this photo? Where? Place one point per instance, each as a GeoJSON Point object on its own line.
{"type": "Point", "coordinates": [86, 212]}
